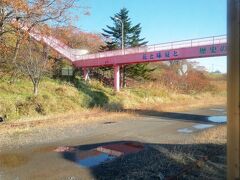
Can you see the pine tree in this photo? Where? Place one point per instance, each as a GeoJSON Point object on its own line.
{"type": "Point", "coordinates": [131, 38]}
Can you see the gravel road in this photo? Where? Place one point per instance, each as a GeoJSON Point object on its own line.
{"type": "Point", "coordinates": [28, 152]}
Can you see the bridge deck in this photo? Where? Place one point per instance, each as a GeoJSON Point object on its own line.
{"type": "Point", "coordinates": [152, 54]}
{"type": "Point", "coordinates": [187, 49]}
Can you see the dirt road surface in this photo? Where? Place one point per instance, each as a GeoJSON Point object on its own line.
{"type": "Point", "coordinates": [30, 152]}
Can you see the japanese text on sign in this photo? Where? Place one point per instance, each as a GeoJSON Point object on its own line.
{"type": "Point", "coordinates": [213, 49]}
{"type": "Point", "coordinates": [172, 54]}
{"type": "Point", "coordinates": [159, 55]}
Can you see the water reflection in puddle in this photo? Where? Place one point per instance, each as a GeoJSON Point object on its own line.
{"type": "Point", "coordinates": [185, 130]}
{"type": "Point", "coordinates": [195, 128]}
{"type": "Point", "coordinates": [202, 126]}
{"type": "Point", "coordinates": [217, 119]}
{"type": "Point", "coordinates": [101, 154]}
{"type": "Point", "coordinates": [218, 109]}
{"type": "Point", "coordinates": [94, 158]}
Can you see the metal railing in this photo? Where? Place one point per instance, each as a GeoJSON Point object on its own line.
{"type": "Point", "coordinates": [67, 51]}
{"type": "Point", "coordinates": [49, 40]}
{"type": "Point", "coordinates": [158, 47]}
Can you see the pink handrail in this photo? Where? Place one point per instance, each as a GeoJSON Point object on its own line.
{"type": "Point", "coordinates": [69, 53]}
{"type": "Point", "coordinates": [162, 46]}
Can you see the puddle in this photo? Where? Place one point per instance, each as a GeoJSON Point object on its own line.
{"type": "Point", "coordinates": [12, 160]}
{"type": "Point", "coordinates": [218, 109]}
{"type": "Point", "coordinates": [195, 128]}
{"type": "Point", "coordinates": [202, 126]}
{"type": "Point", "coordinates": [101, 154]}
{"type": "Point", "coordinates": [121, 148]}
{"type": "Point", "coordinates": [217, 119]}
{"type": "Point", "coordinates": [185, 130]}
{"type": "Point", "coordinates": [93, 158]}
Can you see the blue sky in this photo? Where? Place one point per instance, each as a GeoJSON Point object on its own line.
{"type": "Point", "coordinates": [163, 20]}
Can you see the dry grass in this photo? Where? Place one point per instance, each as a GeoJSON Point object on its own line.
{"type": "Point", "coordinates": [170, 161]}
{"type": "Point", "coordinates": [149, 96]}
{"type": "Point", "coordinates": [155, 96]}
{"type": "Point", "coordinates": [16, 101]}
{"type": "Point", "coordinates": [183, 103]}
{"type": "Point", "coordinates": [215, 135]}
{"type": "Point", "coordinates": [204, 155]}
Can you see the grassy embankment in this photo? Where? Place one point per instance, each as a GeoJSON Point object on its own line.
{"type": "Point", "coordinates": [17, 101]}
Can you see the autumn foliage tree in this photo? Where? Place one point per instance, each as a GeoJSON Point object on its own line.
{"type": "Point", "coordinates": [34, 62]}
{"type": "Point", "coordinates": [190, 80]}
{"type": "Point", "coordinates": [16, 53]}
{"type": "Point", "coordinates": [77, 39]}
{"type": "Point", "coordinates": [14, 15]}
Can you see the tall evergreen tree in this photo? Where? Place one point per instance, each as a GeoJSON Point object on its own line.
{"type": "Point", "coordinates": [131, 38]}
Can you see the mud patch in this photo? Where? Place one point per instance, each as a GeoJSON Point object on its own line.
{"type": "Point", "coordinates": [44, 149]}
{"type": "Point", "coordinates": [12, 160]}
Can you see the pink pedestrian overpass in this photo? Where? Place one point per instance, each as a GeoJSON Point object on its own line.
{"type": "Point", "coordinates": [178, 50]}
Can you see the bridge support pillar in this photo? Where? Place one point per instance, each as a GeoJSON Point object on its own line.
{"type": "Point", "coordinates": [85, 74]}
{"type": "Point", "coordinates": [233, 90]}
{"type": "Point", "coordinates": [117, 78]}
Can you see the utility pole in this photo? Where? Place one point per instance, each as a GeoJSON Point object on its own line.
{"type": "Point", "coordinates": [122, 43]}
{"type": "Point", "coordinates": [122, 24]}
